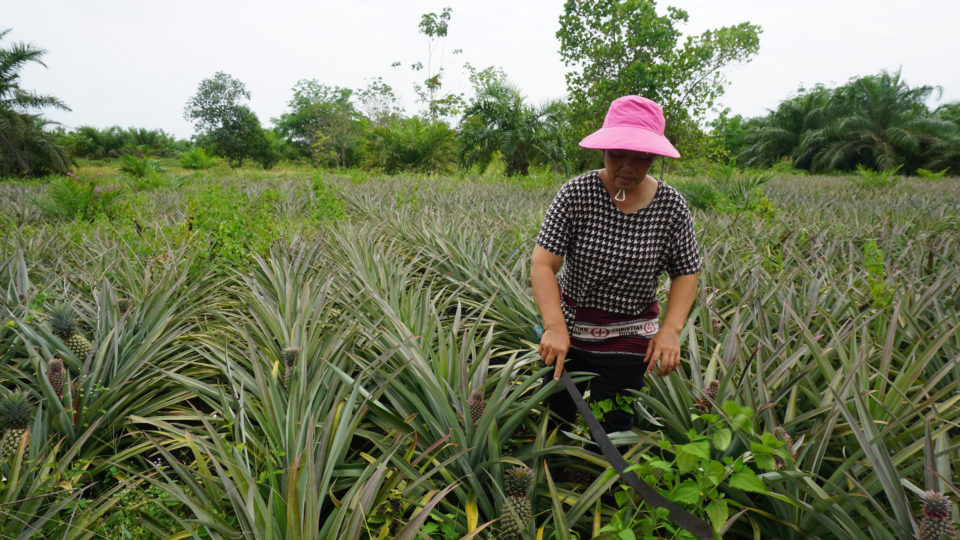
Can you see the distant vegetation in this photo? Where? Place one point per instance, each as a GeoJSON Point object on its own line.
{"type": "Point", "coordinates": [873, 123]}
{"type": "Point", "coordinates": [878, 122]}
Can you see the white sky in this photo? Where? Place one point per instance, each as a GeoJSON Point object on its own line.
{"type": "Point", "coordinates": [134, 63]}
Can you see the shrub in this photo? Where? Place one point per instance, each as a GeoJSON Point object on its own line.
{"type": "Point", "coordinates": [196, 159]}
{"type": "Point", "coordinates": [411, 144]}
{"type": "Point", "coordinates": [700, 194]}
{"type": "Point", "coordinates": [139, 167]}
{"type": "Point", "coordinates": [931, 175]}
{"type": "Point", "coordinates": [73, 197]}
{"type": "Point", "coordinates": [871, 179]}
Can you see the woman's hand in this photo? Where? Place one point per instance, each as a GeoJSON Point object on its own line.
{"type": "Point", "coordinates": [665, 347]}
{"type": "Point", "coordinates": [554, 345]}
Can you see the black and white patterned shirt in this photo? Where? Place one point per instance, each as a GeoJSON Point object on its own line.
{"type": "Point", "coordinates": [612, 261]}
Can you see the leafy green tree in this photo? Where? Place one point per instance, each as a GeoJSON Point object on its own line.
{"type": "Point", "coordinates": [240, 136]}
{"type": "Point", "coordinates": [378, 102]}
{"type": "Point", "coordinates": [214, 104]}
{"type": "Point", "coordinates": [437, 104]}
{"type": "Point", "coordinates": [223, 123]}
{"type": "Point", "coordinates": [323, 123]}
{"type": "Point", "coordinates": [728, 133]}
{"type": "Point", "coordinates": [499, 122]}
{"type": "Point", "coordinates": [619, 47]}
{"type": "Point", "coordinates": [26, 148]}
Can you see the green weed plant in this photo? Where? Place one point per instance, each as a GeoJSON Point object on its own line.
{"type": "Point", "coordinates": [868, 178]}
{"type": "Point", "coordinates": [73, 197]}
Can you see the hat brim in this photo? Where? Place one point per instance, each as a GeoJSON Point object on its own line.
{"type": "Point", "coordinates": [630, 138]}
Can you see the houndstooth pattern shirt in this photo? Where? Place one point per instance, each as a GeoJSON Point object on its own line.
{"type": "Point", "coordinates": [612, 261]}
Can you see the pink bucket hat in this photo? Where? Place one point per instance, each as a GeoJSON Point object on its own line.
{"type": "Point", "coordinates": [632, 123]}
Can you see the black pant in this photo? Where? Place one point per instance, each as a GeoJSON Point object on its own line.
{"type": "Point", "coordinates": [607, 383]}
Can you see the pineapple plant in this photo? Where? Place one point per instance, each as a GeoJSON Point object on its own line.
{"type": "Point", "coordinates": [936, 523]}
{"type": "Point", "coordinates": [16, 413]}
{"type": "Point", "coordinates": [517, 511]}
{"type": "Point", "coordinates": [475, 405]}
{"type": "Point", "coordinates": [289, 357]}
{"type": "Point", "coordinates": [63, 323]}
{"type": "Point", "coordinates": [57, 375]}
{"type": "Point", "coordinates": [710, 393]}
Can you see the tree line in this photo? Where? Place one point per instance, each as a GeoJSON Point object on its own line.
{"type": "Point", "coordinates": [876, 121]}
{"type": "Point", "coordinates": [610, 48]}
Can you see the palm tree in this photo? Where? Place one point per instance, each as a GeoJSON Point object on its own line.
{"type": "Point", "coordinates": [25, 148]}
{"type": "Point", "coordinates": [880, 122]}
{"type": "Point", "coordinates": [498, 120]}
{"type": "Point", "coordinates": [778, 135]}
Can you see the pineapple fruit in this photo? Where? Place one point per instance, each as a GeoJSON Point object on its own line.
{"type": "Point", "coordinates": [63, 322]}
{"type": "Point", "coordinates": [936, 523]}
{"type": "Point", "coordinates": [16, 413]}
{"type": "Point", "coordinates": [710, 393]}
{"type": "Point", "coordinates": [289, 357]}
{"type": "Point", "coordinates": [476, 405]}
{"type": "Point", "coordinates": [57, 375]}
{"type": "Point", "coordinates": [517, 510]}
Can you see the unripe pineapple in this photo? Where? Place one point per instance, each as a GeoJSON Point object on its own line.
{"type": "Point", "coordinates": [16, 412]}
{"type": "Point", "coordinates": [63, 322]}
{"type": "Point", "coordinates": [936, 522]}
{"type": "Point", "coordinates": [57, 376]}
{"type": "Point", "coordinates": [476, 405]}
{"type": "Point", "coordinates": [289, 356]}
{"type": "Point", "coordinates": [517, 511]}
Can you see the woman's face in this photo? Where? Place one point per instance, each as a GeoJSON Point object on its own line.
{"type": "Point", "coordinates": [626, 168]}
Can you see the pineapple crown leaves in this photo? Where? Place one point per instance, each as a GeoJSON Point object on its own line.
{"type": "Point", "coordinates": [16, 409]}
{"type": "Point", "coordinates": [517, 481]}
{"type": "Point", "coordinates": [63, 320]}
{"type": "Point", "coordinates": [290, 354]}
{"type": "Point", "coordinates": [935, 504]}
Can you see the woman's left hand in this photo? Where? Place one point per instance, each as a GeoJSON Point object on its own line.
{"type": "Point", "coordinates": [665, 347]}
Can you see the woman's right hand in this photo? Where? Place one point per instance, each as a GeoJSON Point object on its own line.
{"type": "Point", "coordinates": [554, 345]}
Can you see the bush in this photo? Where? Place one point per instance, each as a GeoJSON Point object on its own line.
{"type": "Point", "coordinates": [72, 197]}
{"type": "Point", "coordinates": [139, 167]}
{"type": "Point", "coordinates": [871, 179]}
{"type": "Point", "coordinates": [411, 144]}
{"type": "Point", "coordinates": [196, 159]}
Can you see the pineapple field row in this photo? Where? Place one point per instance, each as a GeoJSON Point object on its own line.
{"type": "Point", "coordinates": [299, 354]}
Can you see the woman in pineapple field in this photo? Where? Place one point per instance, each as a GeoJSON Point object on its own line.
{"type": "Point", "coordinates": [606, 239]}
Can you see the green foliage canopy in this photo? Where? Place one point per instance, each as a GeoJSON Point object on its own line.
{"type": "Point", "coordinates": [614, 48]}
{"type": "Point", "coordinates": [877, 121]}
{"type": "Point", "coordinates": [499, 121]}
{"type": "Point", "coordinates": [224, 124]}
{"type": "Point", "coordinates": [323, 122]}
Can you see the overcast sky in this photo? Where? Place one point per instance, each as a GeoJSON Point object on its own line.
{"type": "Point", "coordinates": [134, 63]}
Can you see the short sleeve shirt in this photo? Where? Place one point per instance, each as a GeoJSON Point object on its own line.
{"type": "Point", "coordinates": [612, 261]}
